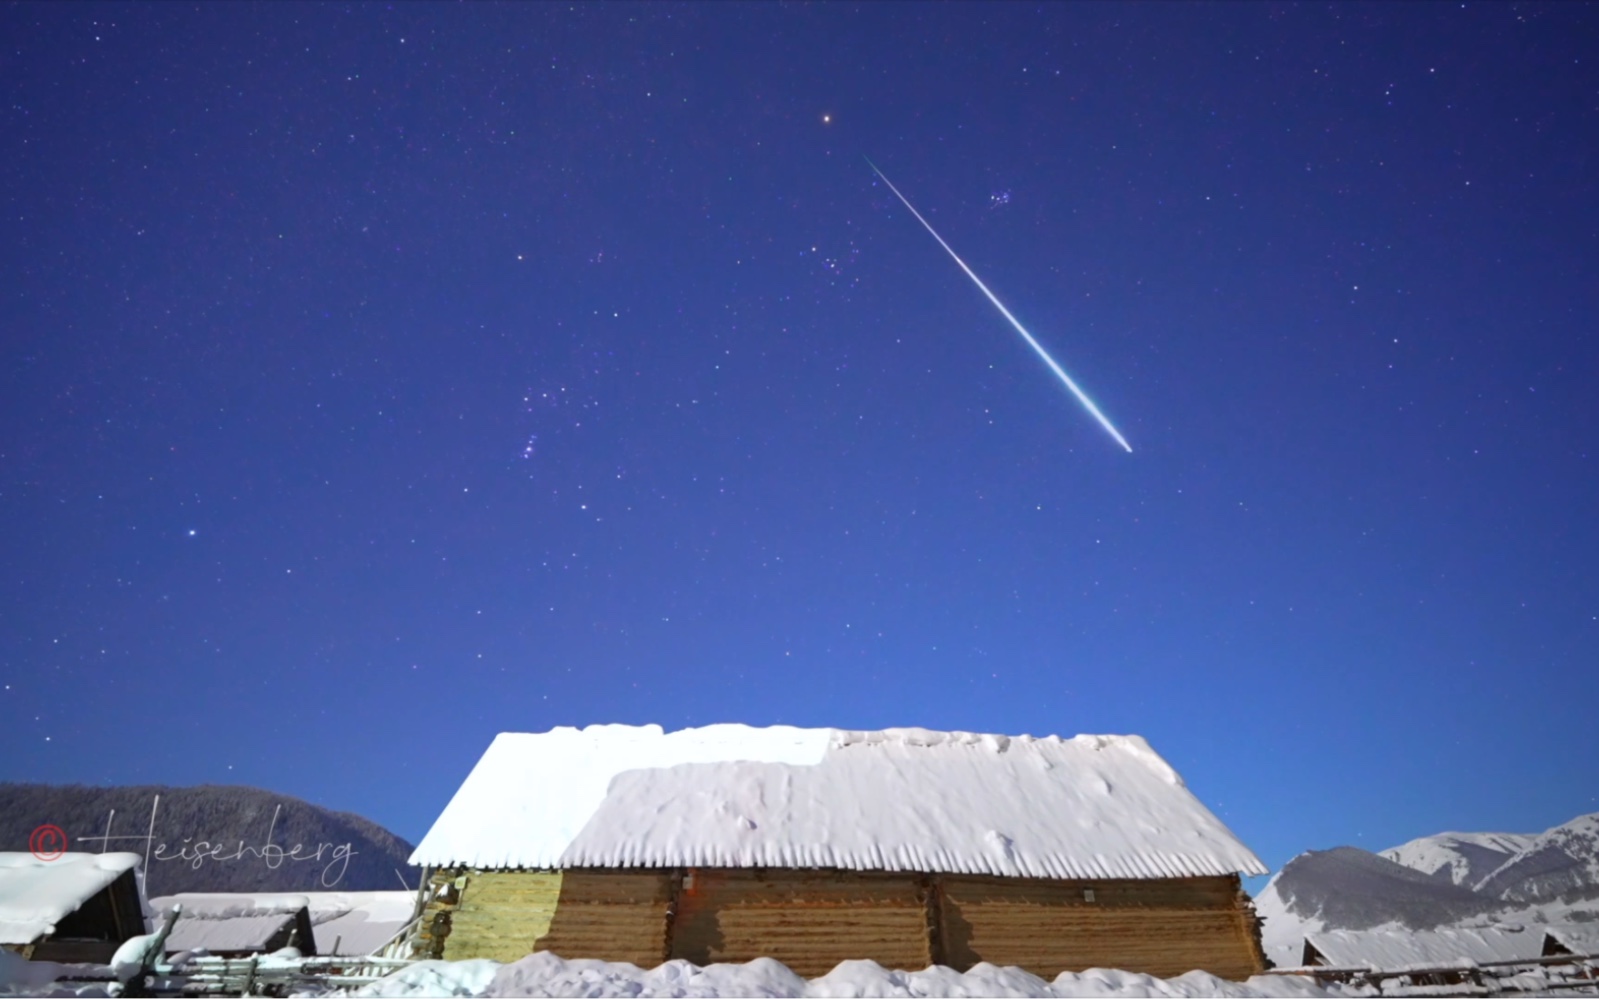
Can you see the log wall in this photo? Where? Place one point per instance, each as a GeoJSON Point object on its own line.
{"type": "Point", "coordinates": [808, 920]}
{"type": "Point", "coordinates": [1158, 927]}
{"type": "Point", "coordinates": [507, 915]}
{"type": "Point", "coordinates": [612, 915]}
{"type": "Point", "coordinates": [500, 914]}
{"type": "Point", "coordinates": [811, 920]}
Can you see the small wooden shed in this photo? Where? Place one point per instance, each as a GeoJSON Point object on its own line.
{"type": "Point", "coordinates": [237, 924]}
{"type": "Point", "coordinates": [813, 846]}
{"type": "Point", "coordinates": [1581, 939]}
{"type": "Point", "coordinates": [78, 907]}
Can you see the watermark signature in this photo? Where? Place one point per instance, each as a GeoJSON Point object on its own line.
{"type": "Point", "coordinates": [47, 843]}
{"type": "Point", "coordinates": [197, 852]}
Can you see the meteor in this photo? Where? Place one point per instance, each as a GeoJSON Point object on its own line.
{"type": "Point", "coordinates": [1082, 397]}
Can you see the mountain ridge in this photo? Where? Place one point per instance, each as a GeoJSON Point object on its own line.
{"type": "Point", "coordinates": [1449, 880]}
{"type": "Point", "coordinates": [212, 838]}
{"type": "Point", "coordinates": [1560, 863]}
{"type": "Point", "coordinates": [1462, 858]}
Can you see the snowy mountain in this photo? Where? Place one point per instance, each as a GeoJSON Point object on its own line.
{"type": "Point", "coordinates": [1347, 888]}
{"type": "Point", "coordinates": [1460, 858]}
{"type": "Point", "coordinates": [1451, 880]}
{"type": "Point", "coordinates": [1560, 863]}
{"type": "Point", "coordinates": [212, 838]}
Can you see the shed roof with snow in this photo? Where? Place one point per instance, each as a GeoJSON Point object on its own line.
{"type": "Point", "coordinates": [357, 923]}
{"type": "Point", "coordinates": [36, 894]}
{"type": "Point", "coordinates": [235, 923]}
{"type": "Point", "coordinates": [1093, 806]}
{"type": "Point", "coordinates": [1572, 938]}
{"type": "Point", "coordinates": [1399, 949]}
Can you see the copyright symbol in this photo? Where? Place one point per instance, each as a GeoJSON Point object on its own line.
{"type": "Point", "coordinates": [47, 842]}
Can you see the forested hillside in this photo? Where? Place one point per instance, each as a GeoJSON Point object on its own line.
{"type": "Point", "coordinates": [213, 838]}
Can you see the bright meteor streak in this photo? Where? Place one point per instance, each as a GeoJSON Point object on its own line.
{"type": "Point", "coordinates": [1082, 397]}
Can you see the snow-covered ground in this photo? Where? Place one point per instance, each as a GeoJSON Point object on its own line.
{"type": "Point", "coordinates": [548, 975]}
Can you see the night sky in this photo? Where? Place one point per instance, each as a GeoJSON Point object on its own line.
{"type": "Point", "coordinates": [380, 378]}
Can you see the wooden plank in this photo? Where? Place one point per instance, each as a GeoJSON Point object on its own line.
{"type": "Point", "coordinates": [812, 919]}
{"type": "Point", "coordinates": [808, 920]}
{"type": "Point", "coordinates": [1162, 929]}
{"type": "Point", "coordinates": [74, 951]}
{"type": "Point", "coordinates": [1249, 926]}
{"type": "Point", "coordinates": [506, 915]}
{"type": "Point", "coordinates": [1169, 893]}
{"type": "Point", "coordinates": [612, 916]}
{"type": "Point", "coordinates": [501, 914]}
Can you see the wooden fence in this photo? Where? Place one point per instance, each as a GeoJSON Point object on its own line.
{"type": "Point", "coordinates": [1532, 976]}
{"type": "Point", "coordinates": [264, 975]}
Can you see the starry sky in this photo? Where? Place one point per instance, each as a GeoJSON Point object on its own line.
{"type": "Point", "coordinates": [377, 378]}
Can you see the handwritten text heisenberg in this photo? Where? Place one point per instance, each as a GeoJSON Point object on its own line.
{"type": "Point", "coordinates": [196, 852]}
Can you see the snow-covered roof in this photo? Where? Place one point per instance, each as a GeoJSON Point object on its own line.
{"type": "Point", "coordinates": [226, 921]}
{"type": "Point", "coordinates": [1394, 948]}
{"type": "Point", "coordinates": [229, 905]}
{"type": "Point", "coordinates": [1579, 938]}
{"type": "Point", "coordinates": [36, 894]}
{"type": "Point", "coordinates": [358, 922]}
{"type": "Point", "coordinates": [1094, 806]}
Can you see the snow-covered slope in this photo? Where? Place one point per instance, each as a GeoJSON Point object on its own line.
{"type": "Point", "coordinates": [1513, 867]}
{"type": "Point", "coordinates": [1460, 858]}
{"type": "Point", "coordinates": [1350, 889]}
{"type": "Point", "coordinates": [1499, 882]}
{"type": "Point", "coordinates": [1347, 888]}
{"type": "Point", "coordinates": [1560, 863]}
{"type": "Point", "coordinates": [1282, 932]}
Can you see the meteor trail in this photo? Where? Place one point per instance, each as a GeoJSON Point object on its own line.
{"type": "Point", "coordinates": [1082, 397]}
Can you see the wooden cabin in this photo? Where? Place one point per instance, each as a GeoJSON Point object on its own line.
{"type": "Point", "coordinates": [76, 908]}
{"type": "Point", "coordinates": [234, 924]}
{"type": "Point", "coordinates": [814, 846]}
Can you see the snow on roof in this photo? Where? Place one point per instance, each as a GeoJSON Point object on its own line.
{"type": "Point", "coordinates": [1095, 806]}
{"type": "Point", "coordinates": [1580, 938]}
{"type": "Point", "coordinates": [230, 905]}
{"type": "Point", "coordinates": [231, 934]}
{"type": "Point", "coordinates": [227, 921]}
{"type": "Point", "coordinates": [36, 894]}
{"type": "Point", "coordinates": [1394, 948]}
{"type": "Point", "coordinates": [358, 922]}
